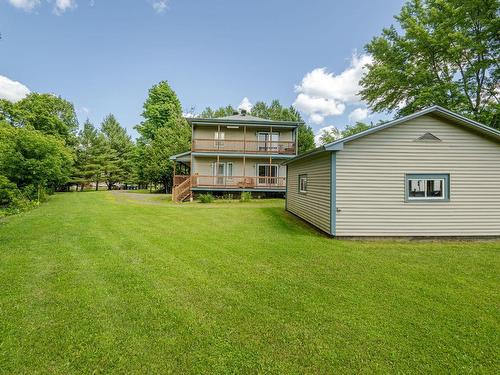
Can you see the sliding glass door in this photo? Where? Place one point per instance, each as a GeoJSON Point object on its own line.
{"type": "Point", "coordinates": [266, 172]}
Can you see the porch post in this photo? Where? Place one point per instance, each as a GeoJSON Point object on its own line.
{"type": "Point", "coordinates": [216, 168]}
{"type": "Point", "coordinates": [244, 171]}
{"type": "Point", "coordinates": [174, 175]}
{"type": "Point", "coordinates": [218, 137]}
{"type": "Point", "coordinates": [270, 157]}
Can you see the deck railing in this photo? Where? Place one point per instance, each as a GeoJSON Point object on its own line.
{"type": "Point", "coordinates": [239, 182]}
{"type": "Point", "coordinates": [246, 147]}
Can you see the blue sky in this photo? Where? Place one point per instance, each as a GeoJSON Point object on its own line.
{"type": "Point", "coordinates": [103, 55]}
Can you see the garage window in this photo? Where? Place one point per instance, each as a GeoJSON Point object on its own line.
{"type": "Point", "coordinates": [303, 183]}
{"type": "Point", "coordinates": [427, 187]}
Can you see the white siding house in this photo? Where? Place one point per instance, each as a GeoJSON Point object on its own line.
{"type": "Point", "coordinates": [434, 173]}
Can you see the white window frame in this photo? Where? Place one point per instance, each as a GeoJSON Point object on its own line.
{"type": "Point", "coordinates": [270, 141]}
{"type": "Point", "coordinates": [219, 139]}
{"type": "Point", "coordinates": [302, 177]}
{"type": "Point", "coordinates": [267, 178]}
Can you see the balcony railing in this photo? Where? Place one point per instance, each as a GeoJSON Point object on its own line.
{"type": "Point", "coordinates": [239, 182]}
{"type": "Point", "coordinates": [246, 147]}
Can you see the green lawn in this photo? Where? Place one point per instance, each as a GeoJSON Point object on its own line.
{"type": "Point", "coordinates": [113, 282]}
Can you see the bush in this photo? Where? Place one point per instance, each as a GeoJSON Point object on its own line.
{"type": "Point", "coordinates": [12, 200]}
{"type": "Point", "coordinates": [206, 198]}
{"type": "Point", "coordinates": [246, 196]}
{"type": "Point", "coordinates": [8, 191]}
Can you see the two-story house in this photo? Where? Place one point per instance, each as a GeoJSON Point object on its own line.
{"type": "Point", "coordinates": [234, 154]}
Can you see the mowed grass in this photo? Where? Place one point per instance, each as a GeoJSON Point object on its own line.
{"type": "Point", "coordinates": [107, 283]}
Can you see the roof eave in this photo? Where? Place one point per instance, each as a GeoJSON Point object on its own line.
{"type": "Point", "coordinates": [215, 121]}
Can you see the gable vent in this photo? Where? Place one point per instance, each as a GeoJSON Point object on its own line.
{"type": "Point", "coordinates": [428, 137]}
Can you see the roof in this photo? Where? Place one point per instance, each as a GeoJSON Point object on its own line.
{"type": "Point", "coordinates": [241, 119]}
{"type": "Point", "coordinates": [338, 144]}
{"type": "Point", "coordinates": [184, 156]}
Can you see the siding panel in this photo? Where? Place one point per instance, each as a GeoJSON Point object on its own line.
{"type": "Point", "coordinates": [314, 206]}
{"type": "Point", "coordinates": [371, 182]}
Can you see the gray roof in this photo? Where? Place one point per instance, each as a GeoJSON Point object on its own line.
{"type": "Point", "coordinates": [242, 120]}
{"type": "Point", "coordinates": [185, 156]}
{"type": "Point", "coordinates": [338, 144]}
{"type": "Point", "coordinates": [240, 117]}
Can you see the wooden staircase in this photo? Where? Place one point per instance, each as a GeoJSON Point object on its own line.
{"type": "Point", "coordinates": [182, 192]}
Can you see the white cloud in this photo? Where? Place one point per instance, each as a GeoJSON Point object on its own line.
{"type": "Point", "coordinates": [324, 94]}
{"type": "Point", "coordinates": [359, 114]}
{"type": "Point", "coordinates": [316, 118]}
{"type": "Point", "coordinates": [327, 129]}
{"type": "Point", "coordinates": [160, 5]}
{"type": "Point", "coordinates": [62, 6]}
{"type": "Point", "coordinates": [245, 104]}
{"type": "Point", "coordinates": [26, 5]}
{"type": "Point", "coordinates": [189, 115]}
{"type": "Point", "coordinates": [12, 90]}
{"type": "Point", "coordinates": [318, 107]}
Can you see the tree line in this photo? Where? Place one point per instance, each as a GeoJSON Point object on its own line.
{"type": "Point", "coordinates": [443, 52]}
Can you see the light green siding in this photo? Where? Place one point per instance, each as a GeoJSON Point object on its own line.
{"type": "Point", "coordinates": [371, 182]}
{"type": "Point", "coordinates": [314, 206]}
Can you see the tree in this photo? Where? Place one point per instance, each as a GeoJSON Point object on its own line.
{"type": "Point", "coordinates": [161, 106]}
{"type": "Point", "coordinates": [169, 140]}
{"type": "Point", "coordinates": [446, 53]}
{"type": "Point", "coordinates": [47, 113]}
{"type": "Point", "coordinates": [162, 118]}
{"type": "Point", "coordinates": [85, 168]}
{"type": "Point", "coordinates": [220, 112]}
{"type": "Point", "coordinates": [33, 160]}
{"type": "Point", "coordinates": [120, 151]}
{"type": "Point", "coordinates": [275, 111]}
{"type": "Point", "coordinates": [355, 129]}
{"type": "Point", "coordinates": [329, 134]}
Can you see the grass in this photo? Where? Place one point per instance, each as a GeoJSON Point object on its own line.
{"type": "Point", "coordinates": [111, 283]}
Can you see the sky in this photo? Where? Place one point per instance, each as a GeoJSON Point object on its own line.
{"type": "Point", "coordinates": [104, 55]}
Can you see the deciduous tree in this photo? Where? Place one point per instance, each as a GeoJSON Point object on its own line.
{"type": "Point", "coordinates": [443, 52]}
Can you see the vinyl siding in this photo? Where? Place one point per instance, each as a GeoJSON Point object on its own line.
{"type": "Point", "coordinates": [202, 165]}
{"type": "Point", "coordinates": [314, 206]}
{"type": "Point", "coordinates": [208, 132]}
{"type": "Point", "coordinates": [371, 182]}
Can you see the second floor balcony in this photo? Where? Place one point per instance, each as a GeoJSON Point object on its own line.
{"type": "Point", "coordinates": [244, 146]}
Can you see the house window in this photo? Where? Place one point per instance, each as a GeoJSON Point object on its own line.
{"type": "Point", "coordinates": [302, 183]}
{"type": "Point", "coordinates": [219, 139]}
{"type": "Point", "coordinates": [268, 141]}
{"type": "Point", "coordinates": [427, 187]}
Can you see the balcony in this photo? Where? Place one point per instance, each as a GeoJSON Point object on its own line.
{"type": "Point", "coordinates": [238, 182]}
{"type": "Point", "coordinates": [244, 147]}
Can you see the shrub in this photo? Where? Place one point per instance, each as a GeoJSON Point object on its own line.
{"type": "Point", "coordinates": [8, 191]}
{"type": "Point", "coordinates": [206, 198]}
{"type": "Point", "coordinates": [12, 200]}
{"type": "Point", "coordinates": [246, 196]}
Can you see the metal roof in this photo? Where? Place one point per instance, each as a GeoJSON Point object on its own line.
{"type": "Point", "coordinates": [338, 144]}
{"type": "Point", "coordinates": [242, 120]}
{"type": "Point", "coordinates": [182, 156]}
